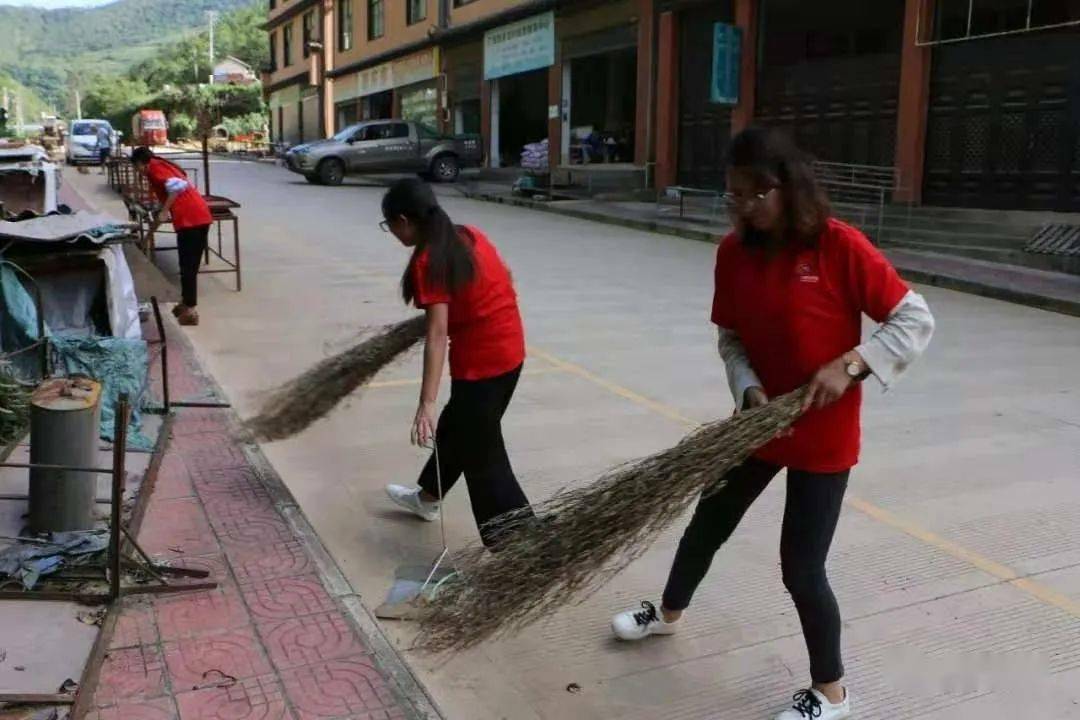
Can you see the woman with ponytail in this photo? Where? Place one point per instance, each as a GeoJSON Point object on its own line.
{"type": "Point", "coordinates": [456, 276]}
{"type": "Point", "coordinates": [181, 202]}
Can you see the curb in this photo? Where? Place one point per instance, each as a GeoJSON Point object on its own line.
{"type": "Point", "coordinates": [936, 279]}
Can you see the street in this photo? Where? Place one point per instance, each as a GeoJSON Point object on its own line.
{"type": "Point", "coordinates": [957, 560]}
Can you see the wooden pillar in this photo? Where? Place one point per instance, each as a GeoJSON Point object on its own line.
{"type": "Point", "coordinates": [326, 90]}
{"type": "Point", "coordinates": [746, 18]}
{"type": "Point", "coordinates": [667, 102]}
{"type": "Point", "coordinates": [912, 105]}
{"type": "Point", "coordinates": [555, 74]}
{"type": "Point", "coordinates": [643, 111]}
{"type": "Point", "coordinates": [485, 119]}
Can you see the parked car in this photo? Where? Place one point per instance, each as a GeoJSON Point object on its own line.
{"type": "Point", "coordinates": [81, 144]}
{"type": "Point", "coordinates": [385, 146]}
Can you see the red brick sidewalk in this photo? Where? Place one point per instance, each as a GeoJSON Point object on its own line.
{"type": "Point", "coordinates": [271, 643]}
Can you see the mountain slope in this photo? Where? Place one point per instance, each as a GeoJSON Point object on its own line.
{"type": "Point", "coordinates": [30, 35]}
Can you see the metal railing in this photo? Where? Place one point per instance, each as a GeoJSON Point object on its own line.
{"type": "Point", "coordinates": [859, 191]}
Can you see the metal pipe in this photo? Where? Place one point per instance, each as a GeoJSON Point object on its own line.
{"type": "Point", "coordinates": [119, 448]}
{"type": "Point", "coordinates": [164, 351]}
{"type": "Point", "coordinates": [70, 468]}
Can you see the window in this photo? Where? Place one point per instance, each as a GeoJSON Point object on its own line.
{"type": "Point", "coordinates": [273, 52]}
{"type": "Point", "coordinates": [375, 18]}
{"type": "Point", "coordinates": [273, 4]}
{"type": "Point", "coordinates": [415, 11]}
{"type": "Point", "coordinates": [345, 25]}
{"type": "Point", "coordinates": [462, 3]}
{"type": "Point", "coordinates": [309, 31]}
{"type": "Point", "coordinates": [286, 46]}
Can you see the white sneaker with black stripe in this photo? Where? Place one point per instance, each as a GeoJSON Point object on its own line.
{"type": "Point", "coordinates": [639, 624]}
{"type": "Point", "coordinates": [810, 704]}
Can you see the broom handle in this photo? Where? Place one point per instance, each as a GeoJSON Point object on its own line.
{"type": "Point", "coordinates": [442, 520]}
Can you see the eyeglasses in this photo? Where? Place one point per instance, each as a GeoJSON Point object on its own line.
{"type": "Point", "coordinates": [385, 226]}
{"type": "Point", "coordinates": [736, 202]}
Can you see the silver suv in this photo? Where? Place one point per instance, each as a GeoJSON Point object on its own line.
{"type": "Point", "coordinates": [385, 146]}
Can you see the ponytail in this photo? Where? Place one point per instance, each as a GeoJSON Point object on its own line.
{"type": "Point", "coordinates": [450, 265]}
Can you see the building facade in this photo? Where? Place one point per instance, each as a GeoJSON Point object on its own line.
{"type": "Point", "coordinates": [974, 103]}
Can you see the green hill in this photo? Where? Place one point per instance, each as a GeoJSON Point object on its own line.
{"type": "Point", "coordinates": [50, 51]}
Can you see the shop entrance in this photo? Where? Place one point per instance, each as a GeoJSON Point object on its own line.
{"type": "Point", "coordinates": [603, 97]}
{"type": "Point", "coordinates": [522, 113]}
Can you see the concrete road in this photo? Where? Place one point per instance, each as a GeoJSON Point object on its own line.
{"type": "Point", "coordinates": [957, 562]}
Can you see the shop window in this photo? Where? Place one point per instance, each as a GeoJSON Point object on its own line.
{"type": "Point", "coordinates": [286, 46]}
{"type": "Point", "coordinates": [376, 19]}
{"type": "Point", "coordinates": [415, 11]}
{"type": "Point", "coordinates": [309, 32]}
{"type": "Point", "coordinates": [345, 25]}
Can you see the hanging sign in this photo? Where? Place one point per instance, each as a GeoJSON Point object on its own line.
{"type": "Point", "coordinates": [528, 44]}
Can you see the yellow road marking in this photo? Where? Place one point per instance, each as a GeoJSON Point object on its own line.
{"type": "Point", "coordinates": [1001, 572]}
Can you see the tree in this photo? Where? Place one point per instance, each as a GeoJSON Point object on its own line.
{"type": "Point", "coordinates": [115, 99]}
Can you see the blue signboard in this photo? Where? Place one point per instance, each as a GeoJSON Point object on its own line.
{"type": "Point", "coordinates": [727, 56]}
{"type": "Point", "coordinates": [528, 44]}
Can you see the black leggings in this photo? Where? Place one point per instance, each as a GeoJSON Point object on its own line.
{"type": "Point", "coordinates": [190, 246]}
{"type": "Point", "coordinates": [810, 517]}
{"type": "Point", "coordinates": [471, 442]}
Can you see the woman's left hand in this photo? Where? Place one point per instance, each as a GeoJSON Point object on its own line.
{"type": "Point", "coordinates": [423, 430]}
{"type": "Point", "coordinates": [163, 216]}
{"type": "Point", "coordinates": [829, 385]}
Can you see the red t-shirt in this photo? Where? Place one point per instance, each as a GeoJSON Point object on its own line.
{"type": "Point", "coordinates": [190, 209]}
{"type": "Point", "coordinates": [797, 309]}
{"type": "Point", "coordinates": [486, 335]}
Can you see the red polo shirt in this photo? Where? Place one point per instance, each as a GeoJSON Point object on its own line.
{"type": "Point", "coordinates": [190, 209]}
{"type": "Point", "coordinates": [486, 335]}
{"type": "Point", "coordinates": [797, 309]}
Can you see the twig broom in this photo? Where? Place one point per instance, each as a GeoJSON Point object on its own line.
{"type": "Point", "coordinates": [583, 537]}
{"type": "Point", "coordinates": [314, 393]}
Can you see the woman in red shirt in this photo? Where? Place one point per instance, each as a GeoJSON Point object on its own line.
{"type": "Point", "coordinates": [191, 219]}
{"type": "Point", "coordinates": [457, 277]}
{"type": "Point", "coordinates": [791, 287]}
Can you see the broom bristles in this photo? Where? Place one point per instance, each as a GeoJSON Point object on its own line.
{"type": "Point", "coordinates": [314, 393]}
{"type": "Point", "coordinates": [583, 537]}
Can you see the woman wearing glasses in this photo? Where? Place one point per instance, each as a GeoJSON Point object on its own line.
{"type": "Point", "coordinates": [791, 286]}
{"type": "Point", "coordinates": [456, 276]}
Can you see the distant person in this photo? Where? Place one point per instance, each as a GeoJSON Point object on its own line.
{"type": "Point", "coordinates": [456, 276]}
{"type": "Point", "coordinates": [104, 146]}
{"type": "Point", "coordinates": [792, 285]}
{"type": "Point", "coordinates": [182, 202]}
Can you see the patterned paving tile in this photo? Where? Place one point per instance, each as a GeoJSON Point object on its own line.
{"type": "Point", "coordinates": [285, 598]}
{"type": "Point", "coordinates": [226, 479]}
{"type": "Point", "coordinates": [252, 530]}
{"type": "Point", "coordinates": [253, 699]}
{"type": "Point", "coordinates": [282, 559]}
{"type": "Point", "coordinates": [173, 479]}
{"type": "Point", "coordinates": [179, 524]}
{"type": "Point", "coordinates": [347, 688]}
{"type": "Point", "coordinates": [210, 451]}
{"type": "Point", "coordinates": [208, 660]}
{"type": "Point", "coordinates": [200, 613]}
{"type": "Point", "coordinates": [315, 638]}
{"type": "Point", "coordinates": [135, 625]}
{"type": "Point", "coordinates": [160, 709]}
{"type": "Point", "coordinates": [131, 674]}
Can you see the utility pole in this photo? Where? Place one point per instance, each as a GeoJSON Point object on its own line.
{"type": "Point", "coordinates": [212, 17]}
{"type": "Point", "coordinates": [78, 104]}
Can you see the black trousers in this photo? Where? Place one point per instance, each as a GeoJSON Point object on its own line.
{"type": "Point", "coordinates": [470, 442]}
{"type": "Point", "coordinates": [190, 247]}
{"type": "Point", "coordinates": [810, 516]}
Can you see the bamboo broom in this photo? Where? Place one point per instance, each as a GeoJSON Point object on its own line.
{"type": "Point", "coordinates": [583, 537]}
{"type": "Point", "coordinates": [314, 393]}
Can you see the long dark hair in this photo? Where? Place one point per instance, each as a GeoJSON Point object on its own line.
{"type": "Point", "coordinates": [450, 264]}
{"type": "Point", "coordinates": [774, 161]}
{"type": "Point", "coordinates": [143, 155]}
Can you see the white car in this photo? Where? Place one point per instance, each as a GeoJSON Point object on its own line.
{"type": "Point", "coordinates": [81, 143]}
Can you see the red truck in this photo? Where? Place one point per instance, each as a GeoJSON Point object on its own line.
{"type": "Point", "coordinates": [148, 127]}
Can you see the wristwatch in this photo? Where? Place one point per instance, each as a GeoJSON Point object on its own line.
{"type": "Point", "coordinates": [855, 367]}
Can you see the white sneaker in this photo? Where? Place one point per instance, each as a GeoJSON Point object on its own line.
{"type": "Point", "coordinates": [640, 624]}
{"type": "Point", "coordinates": [812, 704]}
{"type": "Point", "coordinates": [409, 499]}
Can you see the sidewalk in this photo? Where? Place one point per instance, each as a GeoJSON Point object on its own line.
{"type": "Point", "coordinates": [1058, 292]}
{"type": "Point", "coordinates": [283, 637]}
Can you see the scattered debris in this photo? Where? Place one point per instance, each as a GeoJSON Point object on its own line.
{"type": "Point", "coordinates": [92, 617]}
{"type": "Point", "coordinates": [573, 688]}
{"type": "Point", "coordinates": [19, 668]}
{"type": "Point", "coordinates": [30, 558]}
{"type": "Point", "coordinates": [177, 550]}
{"type": "Point", "coordinates": [226, 680]}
